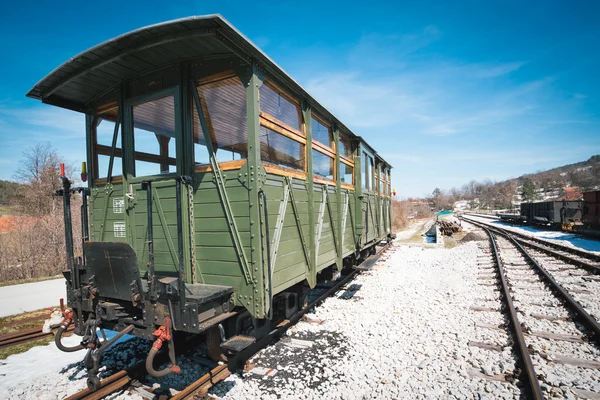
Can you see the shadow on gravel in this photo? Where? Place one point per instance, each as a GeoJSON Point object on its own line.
{"type": "Point", "coordinates": [350, 291]}
{"type": "Point", "coordinates": [302, 357]}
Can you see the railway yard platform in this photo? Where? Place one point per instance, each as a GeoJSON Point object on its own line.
{"type": "Point", "coordinates": [422, 323]}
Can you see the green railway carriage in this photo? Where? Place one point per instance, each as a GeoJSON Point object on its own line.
{"type": "Point", "coordinates": [218, 187]}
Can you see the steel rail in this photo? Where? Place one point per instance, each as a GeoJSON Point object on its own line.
{"type": "Point", "coordinates": [24, 336]}
{"type": "Point", "coordinates": [586, 265]}
{"type": "Point", "coordinates": [589, 321]}
{"type": "Point", "coordinates": [532, 381]}
{"type": "Point", "coordinates": [109, 384]}
{"type": "Point", "coordinates": [200, 387]}
{"type": "Point", "coordinates": [541, 246]}
{"type": "Point", "coordinates": [581, 253]}
{"type": "Point", "coordinates": [571, 303]}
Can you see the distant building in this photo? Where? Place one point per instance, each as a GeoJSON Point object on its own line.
{"type": "Point", "coordinates": [570, 194]}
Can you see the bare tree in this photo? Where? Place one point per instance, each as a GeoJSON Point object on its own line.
{"type": "Point", "coordinates": [35, 246]}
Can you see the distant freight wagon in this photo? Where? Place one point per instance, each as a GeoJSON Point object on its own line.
{"type": "Point", "coordinates": [558, 213]}
{"type": "Point", "coordinates": [591, 210]}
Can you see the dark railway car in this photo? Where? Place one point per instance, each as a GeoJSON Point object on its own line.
{"type": "Point", "coordinates": [219, 189]}
{"type": "Point", "coordinates": [512, 218]}
{"type": "Point", "coordinates": [554, 213]}
{"type": "Point", "coordinates": [591, 210]}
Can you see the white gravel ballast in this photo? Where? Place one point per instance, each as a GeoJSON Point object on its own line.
{"type": "Point", "coordinates": [402, 332]}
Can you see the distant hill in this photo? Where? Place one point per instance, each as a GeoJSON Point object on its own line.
{"type": "Point", "coordinates": [543, 185]}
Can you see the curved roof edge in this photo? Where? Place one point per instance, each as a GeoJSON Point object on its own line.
{"type": "Point", "coordinates": [170, 32]}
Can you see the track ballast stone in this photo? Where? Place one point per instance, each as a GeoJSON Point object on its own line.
{"type": "Point", "coordinates": [402, 334]}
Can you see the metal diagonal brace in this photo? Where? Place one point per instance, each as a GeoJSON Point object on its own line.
{"type": "Point", "coordinates": [344, 215]}
{"type": "Point", "coordinates": [279, 225]}
{"type": "Point", "coordinates": [335, 243]}
{"type": "Point", "coordinates": [220, 182]}
{"type": "Point", "coordinates": [297, 218]}
{"type": "Point", "coordinates": [320, 222]}
{"type": "Point", "coordinates": [108, 192]}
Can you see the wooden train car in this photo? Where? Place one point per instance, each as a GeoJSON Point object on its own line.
{"type": "Point", "coordinates": [219, 189]}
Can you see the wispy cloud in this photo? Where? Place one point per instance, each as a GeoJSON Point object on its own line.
{"type": "Point", "coordinates": [23, 127]}
{"type": "Point", "coordinates": [422, 108]}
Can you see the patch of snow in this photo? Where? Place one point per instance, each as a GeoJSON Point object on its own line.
{"type": "Point", "coordinates": [45, 372]}
{"type": "Point", "coordinates": [16, 299]}
{"type": "Point", "coordinates": [567, 239]}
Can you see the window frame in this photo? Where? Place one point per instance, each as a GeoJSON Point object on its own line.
{"type": "Point", "coordinates": [223, 165]}
{"type": "Point", "coordinates": [106, 150]}
{"type": "Point", "coordinates": [272, 123]}
{"type": "Point", "coordinates": [130, 154]}
{"type": "Point", "coordinates": [328, 151]}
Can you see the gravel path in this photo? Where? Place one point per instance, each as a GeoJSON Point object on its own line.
{"type": "Point", "coordinates": [403, 334]}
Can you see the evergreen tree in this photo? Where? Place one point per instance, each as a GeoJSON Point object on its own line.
{"type": "Point", "coordinates": [528, 190]}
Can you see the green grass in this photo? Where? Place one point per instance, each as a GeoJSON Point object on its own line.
{"type": "Point", "coordinates": [29, 280]}
{"type": "Point", "coordinates": [6, 210]}
{"type": "Point", "coordinates": [27, 320]}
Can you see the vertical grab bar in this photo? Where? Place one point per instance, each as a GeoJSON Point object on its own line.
{"type": "Point", "coordinates": [151, 275]}
{"type": "Point", "coordinates": [186, 180]}
{"type": "Point", "coordinates": [85, 233]}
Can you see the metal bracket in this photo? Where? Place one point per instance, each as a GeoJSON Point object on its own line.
{"type": "Point", "coordinates": [279, 225]}
{"type": "Point", "coordinates": [105, 211]}
{"type": "Point", "coordinates": [298, 224]}
{"type": "Point", "coordinates": [344, 215]}
{"type": "Point", "coordinates": [320, 222]}
{"type": "Point", "coordinates": [331, 224]}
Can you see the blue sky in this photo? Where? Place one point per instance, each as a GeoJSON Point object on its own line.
{"type": "Point", "coordinates": [445, 92]}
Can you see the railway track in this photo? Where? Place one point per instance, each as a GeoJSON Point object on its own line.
{"type": "Point", "coordinates": [554, 336]}
{"type": "Point", "coordinates": [582, 258]}
{"type": "Point", "coordinates": [200, 387]}
{"type": "Point", "coordinates": [25, 336]}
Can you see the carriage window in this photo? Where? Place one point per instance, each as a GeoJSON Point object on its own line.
{"type": "Point", "coordinates": [345, 147]}
{"type": "Point", "coordinates": [321, 133]}
{"type": "Point", "coordinates": [154, 137]}
{"type": "Point", "coordinates": [281, 150]}
{"type": "Point", "coordinates": [276, 104]}
{"type": "Point", "coordinates": [322, 165]}
{"type": "Point", "coordinates": [224, 110]}
{"type": "Point", "coordinates": [346, 174]}
{"type": "Point", "coordinates": [104, 130]}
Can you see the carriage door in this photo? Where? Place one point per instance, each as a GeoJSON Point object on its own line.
{"type": "Point", "coordinates": [155, 179]}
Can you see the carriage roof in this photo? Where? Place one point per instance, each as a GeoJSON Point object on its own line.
{"type": "Point", "coordinates": [92, 73]}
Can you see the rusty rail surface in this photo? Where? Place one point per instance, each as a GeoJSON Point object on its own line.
{"type": "Point", "coordinates": [110, 384]}
{"type": "Point", "coordinates": [24, 336]}
{"type": "Point", "coordinates": [530, 376]}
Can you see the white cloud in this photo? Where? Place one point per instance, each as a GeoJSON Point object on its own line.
{"type": "Point", "coordinates": [23, 127]}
